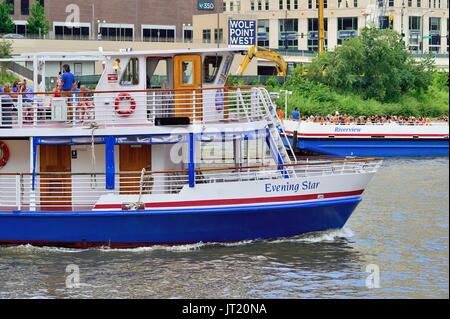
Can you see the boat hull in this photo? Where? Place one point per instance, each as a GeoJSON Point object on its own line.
{"type": "Point", "coordinates": [119, 229]}
{"type": "Point", "coordinates": [375, 147]}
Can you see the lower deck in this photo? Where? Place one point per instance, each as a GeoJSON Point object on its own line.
{"type": "Point", "coordinates": [72, 173]}
{"type": "Point", "coordinates": [54, 175]}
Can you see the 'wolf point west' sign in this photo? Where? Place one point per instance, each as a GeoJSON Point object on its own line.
{"type": "Point", "coordinates": [206, 5]}
{"type": "Point", "coordinates": [241, 32]}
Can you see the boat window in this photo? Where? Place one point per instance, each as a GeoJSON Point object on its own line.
{"type": "Point", "coordinates": [188, 72]}
{"type": "Point", "coordinates": [211, 67]}
{"type": "Point", "coordinates": [157, 73]}
{"type": "Point", "coordinates": [131, 74]}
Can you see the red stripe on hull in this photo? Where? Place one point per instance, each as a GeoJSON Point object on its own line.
{"type": "Point", "coordinates": [239, 201]}
{"type": "Point", "coordinates": [366, 135]}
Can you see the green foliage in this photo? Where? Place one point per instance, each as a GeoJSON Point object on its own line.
{"type": "Point", "coordinates": [272, 83]}
{"type": "Point", "coordinates": [6, 23]}
{"type": "Point", "coordinates": [5, 52]}
{"type": "Point", "coordinates": [375, 65]}
{"type": "Point", "coordinates": [5, 48]}
{"type": "Point", "coordinates": [235, 81]}
{"type": "Point", "coordinates": [7, 78]}
{"type": "Point", "coordinates": [318, 99]}
{"type": "Point", "coordinates": [440, 80]}
{"type": "Point", "coordinates": [38, 22]}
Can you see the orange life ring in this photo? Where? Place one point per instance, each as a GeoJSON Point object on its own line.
{"type": "Point", "coordinates": [125, 97]}
{"type": "Point", "coordinates": [4, 154]}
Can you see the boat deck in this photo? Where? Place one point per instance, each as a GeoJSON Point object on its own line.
{"type": "Point", "coordinates": [80, 192]}
{"type": "Point", "coordinates": [147, 108]}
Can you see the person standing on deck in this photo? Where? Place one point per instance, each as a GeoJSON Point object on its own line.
{"type": "Point", "coordinates": [295, 115]}
{"type": "Point", "coordinates": [68, 83]}
{"type": "Point", "coordinates": [280, 114]}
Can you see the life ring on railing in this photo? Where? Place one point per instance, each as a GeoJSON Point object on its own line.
{"type": "Point", "coordinates": [4, 154]}
{"type": "Point", "coordinates": [131, 106]}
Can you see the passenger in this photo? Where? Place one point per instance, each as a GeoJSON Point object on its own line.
{"type": "Point", "coordinates": [68, 83]}
{"type": "Point", "coordinates": [75, 98]}
{"type": "Point", "coordinates": [14, 89]}
{"type": "Point", "coordinates": [56, 92]}
{"type": "Point", "coordinates": [58, 79]}
{"type": "Point", "coordinates": [280, 114]}
{"type": "Point", "coordinates": [28, 102]}
{"type": "Point", "coordinates": [85, 105]}
{"type": "Point", "coordinates": [295, 115]}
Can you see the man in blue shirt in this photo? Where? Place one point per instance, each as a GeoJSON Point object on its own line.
{"type": "Point", "coordinates": [295, 115]}
{"type": "Point", "coordinates": [67, 79]}
{"type": "Point", "coordinates": [67, 85]}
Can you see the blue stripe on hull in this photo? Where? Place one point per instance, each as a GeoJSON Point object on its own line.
{"type": "Point", "coordinates": [376, 147]}
{"type": "Point", "coordinates": [125, 229]}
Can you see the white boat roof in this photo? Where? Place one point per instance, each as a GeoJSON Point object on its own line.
{"type": "Point", "coordinates": [93, 55]}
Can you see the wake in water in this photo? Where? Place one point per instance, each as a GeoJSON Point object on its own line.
{"type": "Point", "coordinates": [327, 236]}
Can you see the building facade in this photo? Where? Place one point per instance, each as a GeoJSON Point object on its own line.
{"type": "Point", "coordinates": [292, 25]}
{"type": "Point", "coordinates": [114, 20]}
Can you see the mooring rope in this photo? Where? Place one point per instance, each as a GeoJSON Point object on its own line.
{"type": "Point", "coordinates": [93, 126]}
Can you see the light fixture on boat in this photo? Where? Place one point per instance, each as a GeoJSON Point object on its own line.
{"type": "Point", "coordinates": [207, 138]}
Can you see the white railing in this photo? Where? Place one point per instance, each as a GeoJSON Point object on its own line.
{"type": "Point", "coordinates": [304, 168]}
{"type": "Point", "coordinates": [63, 191]}
{"type": "Point", "coordinates": [80, 192]}
{"type": "Point", "coordinates": [111, 108]}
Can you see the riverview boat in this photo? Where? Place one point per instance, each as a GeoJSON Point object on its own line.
{"type": "Point", "coordinates": [380, 140]}
{"type": "Point", "coordinates": [137, 163]}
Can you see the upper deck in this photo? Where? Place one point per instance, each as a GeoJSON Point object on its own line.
{"type": "Point", "coordinates": [127, 97]}
{"type": "Point", "coordinates": [156, 111]}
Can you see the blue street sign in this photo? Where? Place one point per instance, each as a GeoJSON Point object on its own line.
{"type": "Point", "coordinates": [242, 32]}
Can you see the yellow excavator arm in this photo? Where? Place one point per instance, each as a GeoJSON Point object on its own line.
{"type": "Point", "coordinates": [266, 54]}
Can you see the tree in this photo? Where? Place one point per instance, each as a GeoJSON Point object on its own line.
{"type": "Point", "coordinates": [5, 52]}
{"type": "Point", "coordinates": [5, 49]}
{"type": "Point", "coordinates": [374, 65]}
{"type": "Point", "coordinates": [37, 22]}
{"type": "Point", "coordinates": [6, 23]}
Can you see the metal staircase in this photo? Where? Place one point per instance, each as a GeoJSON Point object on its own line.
{"type": "Point", "coordinates": [274, 137]}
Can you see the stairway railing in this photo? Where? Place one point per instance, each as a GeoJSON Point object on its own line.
{"type": "Point", "coordinates": [274, 125]}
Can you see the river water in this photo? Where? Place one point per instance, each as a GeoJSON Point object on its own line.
{"type": "Point", "coordinates": [400, 232]}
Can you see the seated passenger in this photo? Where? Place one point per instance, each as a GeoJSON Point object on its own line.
{"type": "Point", "coordinates": [85, 105]}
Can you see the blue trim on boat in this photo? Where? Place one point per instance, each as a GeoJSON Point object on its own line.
{"type": "Point", "coordinates": [134, 229]}
{"type": "Point", "coordinates": [34, 146]}
{"type": "Point", "coordinates": [110, 167]}
{"type": "Point", "coordinates": [375, 147]}
{"type": "Point", "coordinates": [191, 165]}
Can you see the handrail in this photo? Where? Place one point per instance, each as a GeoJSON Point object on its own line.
{"type": "Point", "coordinates": [246, 87]}
{"type": "Point", "coordinates": [205, 105]}
{"type": "Point", "coordinates": [214, 169]}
